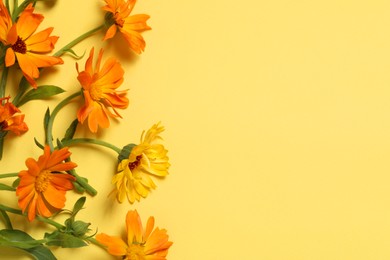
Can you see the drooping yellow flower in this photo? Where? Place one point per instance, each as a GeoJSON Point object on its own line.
{"type": "Point", "coordinates": [25, 46]}
{"type": "Point", "coordinates": [130, 26]}
{"type": "Point", "coordinates": [42, 187]}
{"type": "Point", "coordinates": [141, 244]}
{"type": "Point", "coordinates": [9, 121]}
{"type": "Point", "coordinates": [147, 159]}
{"type": "Point", "coordinates": [100, 94]}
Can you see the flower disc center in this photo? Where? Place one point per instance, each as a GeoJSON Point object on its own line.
{"type": "Point", "coordinates": [19, 46]}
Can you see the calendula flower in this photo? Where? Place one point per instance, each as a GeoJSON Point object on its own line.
{"type": "Point", "coordinates": [147, 159]}
{"type": "Point", "coordinates": [100, 94]}
{"type": "Point", "coordinates": [25, 46]}
{"type": "Point", "coordinates": [42, 187]}
{"type": "Point", "coordinates": [130, 26]}
{"type": "Point", "coordinates": [9, 121]}
{"type": "Point", "coordinates": [141, 244]}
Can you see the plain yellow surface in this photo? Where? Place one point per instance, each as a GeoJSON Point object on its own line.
{"type": "Point", "coordinates": [277, 117]}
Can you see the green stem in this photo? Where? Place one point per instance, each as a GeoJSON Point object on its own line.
{"type": "Point", "coordinates": [7, 220]}
{"type": "Point", "coordinates": [49, 134]}
{"type": "Point", "coordinates": [3, 82]}
{"type": "Point", "coordinates": [39, 218]}
{"type": "Point", "coordinates": [50, 222]}
{"type": "Point", "coordinates": [91, 141]}
{"type": "Point", "coordinates": [83, 182]}
{"type": "Point", "coordinates": [7, 175]}
{"type": "Point", "coordinates": [77, 40]}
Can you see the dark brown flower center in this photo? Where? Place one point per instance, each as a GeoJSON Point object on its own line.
{"type": "Point", "coordinates": [3, 125]}
{"type": "Point", "coordinates": [19, 46]}
{"type": "Point", "coordinates": [135, 164]}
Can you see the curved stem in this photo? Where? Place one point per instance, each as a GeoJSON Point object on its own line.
{"type": "Point", "coordinates": [91, 141]}
{"type": "Point", "coordinates": [77, 40]}
{"type": "Point", "coordinates": [49, 134]}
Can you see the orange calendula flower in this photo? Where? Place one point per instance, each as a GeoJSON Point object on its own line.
{"type": "Point", "coordinates": [42, 187]}
{"type": "Point", "coordinates": [147, 159]}
{"type": "Point", "coordinates": [9, 121]}
{"type": "Point", "coordinates": [100, 94]}
{"type": "Point", "coordinates": [141, 244]}
{"type": "Point", "coordinates": [130, 26]}
{"type": "Point", "coordinates": [25, 46]}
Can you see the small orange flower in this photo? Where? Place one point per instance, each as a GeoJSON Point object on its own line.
{"type": "Point", "coordinates": [99, 89]}
{"type": "Point", "coordinates": [25, 46]}
{"type": "Point", "coordinates": [42, 187]}
{"type": "Point", "coordinates": [130, 26]}
{"type": "Point", "coordinates": [9, 121]}
{"type": "Point", "coordinates": [141, 244]}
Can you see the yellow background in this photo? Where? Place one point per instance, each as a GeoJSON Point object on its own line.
{"type": "Point", "coordinates": [277, 119]}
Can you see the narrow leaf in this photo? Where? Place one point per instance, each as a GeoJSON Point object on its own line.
{"type": "Point", "coordinates": [71, 130]}
{"type": "Point", "coordinates": [41, 253]}
{"type": "Point", "coordinates": [42, 92]}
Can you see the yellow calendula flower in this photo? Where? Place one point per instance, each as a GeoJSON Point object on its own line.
{"type": "Point", "coordinates": [149, 158]}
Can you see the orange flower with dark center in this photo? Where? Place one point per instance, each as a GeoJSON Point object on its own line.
{"type": "Point", "coordinates": [42, 187]}
{"type": "Point", "coordinates": [141, 244]}
{"type": "Point", "coordinates": [99, 90]}
{"type": "Point", "coordinates": [9, 121]}
{"type": "Point", "coordinates": [130, 26]}
{"type": "Point", "coordinates": [25, 46]}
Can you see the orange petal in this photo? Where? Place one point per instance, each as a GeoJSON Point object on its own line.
{"type": "Point", "coordinates": [110, 32]}
{"type": "Point", "coordinates": [55, 198]}
{"type": "Point", "coordinates": [134, 227]}
{"type": "Point", "coordinates": [9, 57]}
{"type": "Point", "coordinates": [115, 245]}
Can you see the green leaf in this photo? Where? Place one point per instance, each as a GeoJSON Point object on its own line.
{"type": "Point", "coordinates": [17, 238]}
{"type": "Point", "coordinates": [41, 253]}
{"type": "Point", "coordinates": [78, 205]}
{"type": "Point", "coordinates": [16, 183]}
{"type": "Point", "coordinates": [70, 131]}
{"type": "Point", "coordinates": [77, 57]}
{"type": "Point", "coordinates": [64, 240]}
{"type": "Point", "coordinates": [126, 150]}
{"type": "Point", "coordinates": [42, 92]}
{"type": "Point", "coordinates": [46, 119]}
{"type": "Point", "coordinates": [38, 144]}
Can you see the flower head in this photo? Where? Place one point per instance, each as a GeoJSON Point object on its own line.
{"type": "Point", "coordinates": [131, 26]}
{"type": "Point", "coordinates": [25, 46]}
{"type": "Point", "coordinates": [99, 89]}
{"type": "Point", "coordinates": [42, 187]}
{"type": "Point", "coordinates": [147, 159]}
{"type": "Point", "coordinates": [9, 121]}
{"type": "Point", "coordinates": [141, 244]}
